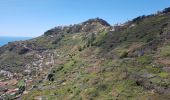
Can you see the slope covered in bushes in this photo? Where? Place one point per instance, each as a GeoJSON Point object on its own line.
{"type": "Point", "coordinates": [94, 60]}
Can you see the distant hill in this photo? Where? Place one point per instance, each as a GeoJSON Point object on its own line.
{"type": "Point", "coordinates": [95, 61]}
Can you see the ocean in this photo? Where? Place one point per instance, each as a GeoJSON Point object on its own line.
{"type": "Point", "coordinates": [5, 40]}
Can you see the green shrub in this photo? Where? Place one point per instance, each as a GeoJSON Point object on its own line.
{"type": "Point", "coordinates": [146, 59]}
{"type": "Point", "coordinates": [152, 69]}
{"type": "Point", "coordinates": [165, 51]}
{"type": "Point", "coordinates": [21, 86]}
{"type": "Point", "coordinates": [99, 38]}
{"type": "Point", "coordinates": [163, 74]}
{"type": "Point", "coordinates": [124, 54]}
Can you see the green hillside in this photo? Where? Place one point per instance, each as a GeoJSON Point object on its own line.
{"type": "Point", "coordinates": [96, 61]}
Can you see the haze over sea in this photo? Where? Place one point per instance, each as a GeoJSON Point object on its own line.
{"type": "Point", "coordinates": [5, 40]}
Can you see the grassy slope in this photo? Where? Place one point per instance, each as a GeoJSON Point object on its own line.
{"type": "Point", "coordinates": [129, 63]}
{"type": "Point", "coordinates": [107, 67]}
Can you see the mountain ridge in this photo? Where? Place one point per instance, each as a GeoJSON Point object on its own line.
{"type": "Point", "coordinates": [94, 60]}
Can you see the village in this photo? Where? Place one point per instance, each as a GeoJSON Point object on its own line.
{"type": "Point", "coordinates": [14, 85]}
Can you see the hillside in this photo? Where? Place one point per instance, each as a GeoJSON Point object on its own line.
{"type": "Point", "coordinates": [93, 61]}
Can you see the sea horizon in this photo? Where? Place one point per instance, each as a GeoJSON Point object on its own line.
{"type": "Point", "coordinates": [6, 39]}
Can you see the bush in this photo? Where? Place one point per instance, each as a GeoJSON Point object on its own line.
{"type": "Point", "coordinates": [124, 54]}
{"type": "Point", "coordinates": [21, 89]}
{"type": "Point", "coordinates": [146, 59]}
{"type": "Point", "coordinates": [23, 51]}
{"type": "Point", "coordinates": [50, 77]}
{"type": "Point", "coordinates": [99, 38]}
{"type": "Point", "coordinates": [21, 85]}
{"type": "Point", "coordinates": [166, 10]}
{"type": "Point", "coordinates": [137, 19]}
{"type": "Point", "coordinates": [165, 51]}
{"type": "Point", "coordinates": [80, 48]}
{"type": "Point", "coordinates": [102, 87]}
{"type": "Point", "coordinates": [163, 74]}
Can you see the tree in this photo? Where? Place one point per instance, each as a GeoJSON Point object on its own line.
{"type": "Point", "coordinates": [137, 19]}
{"type": "Point", "coordinates": [166, 10]}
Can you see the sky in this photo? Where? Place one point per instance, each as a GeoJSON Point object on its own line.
{"type": "Point", "coordinates": [31, 18]}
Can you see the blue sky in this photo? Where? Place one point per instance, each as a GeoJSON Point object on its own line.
{"type": "Point", "coordinates": [30, 18]}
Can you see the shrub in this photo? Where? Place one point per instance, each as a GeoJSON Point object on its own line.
{"type": "Point", "coordinates": [163, 74]}
{"type": "Point", "coordinates": [165, 51]}
{"type": "Point", "coordinates": [102, 87]}
{"type": "Point", "coordinates": [124, 54]}
{"type": "Point", "coordinates": [99, 38]}
{"type": "Point", "coordinates": [50, 77]}
{"type": "Point", "coordinates": [146, 59]}
{"type": "Point", "coordinates": [80, 48]}
{"type": "Point", "coordinates": [153, 69]}
{"type": "Point", "coordinates": [21, 85]}
{"type": "Point", "coordinates": [23, 51]}
{"type": "Point", "coordinates": [21, 89]}
{"type": "Point", "coordinates": [137, 19]}
{"type": "Point", "coordinates": [166, 10]}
